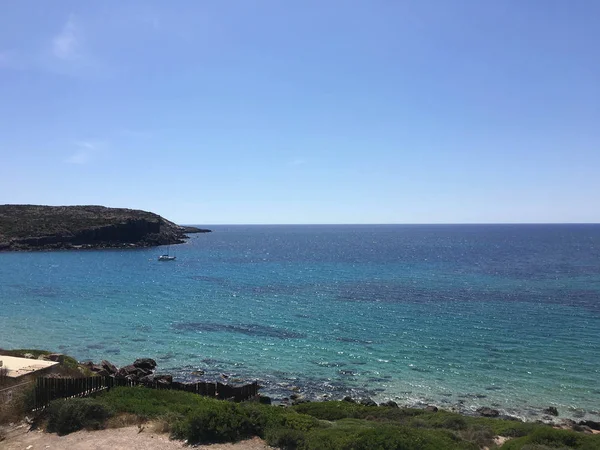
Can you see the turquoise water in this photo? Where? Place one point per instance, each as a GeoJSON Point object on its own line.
{"type": "Point", "coordinates": [506, 316]}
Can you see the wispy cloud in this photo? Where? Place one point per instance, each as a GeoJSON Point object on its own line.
{"type": "Point", "coordinates": [68, 52]}
{"type": "Point", "coordinates": [67, 44]}
{"type": "Point", "coordinates": [85, 153]}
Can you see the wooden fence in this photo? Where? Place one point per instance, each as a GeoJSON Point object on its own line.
{"type": "Point", "coordinates": [48, 389]}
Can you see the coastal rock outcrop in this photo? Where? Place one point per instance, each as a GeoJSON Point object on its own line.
{"type": "Point", "coordinates": [591, 424]}
{"type": "Point", "coordinates": [551, 410]}
{"type": "Point", "coordinates": [109, 367]}
{"type": "Point", "coordinates": [488, 412]}
{"type": "Point", "coordinates": [141, 370]}
{"type": "Point", "coordinates": [367, 402]}
{"type": "Point", "coordinates": [390, 404]}
{"type": "Point", "coordinates": [36, 227]}
{"type": "Point", "coordinates": [145, 363]}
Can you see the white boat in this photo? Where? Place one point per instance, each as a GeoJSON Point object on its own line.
{"type": "Point", "coordinates": [166, 256]}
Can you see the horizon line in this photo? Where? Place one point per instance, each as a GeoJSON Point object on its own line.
{"type": "Point", "coordinates": [388, 224]}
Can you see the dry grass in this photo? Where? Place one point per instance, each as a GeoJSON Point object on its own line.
{"type": "Point", "coordinates": [14, 410]}
{"type": "Point", "coordinates": [125, 420]}
{"type": "Point", "coordinates": [161, 426]}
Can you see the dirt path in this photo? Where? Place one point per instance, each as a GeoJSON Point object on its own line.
{"type": "Point", "coordinates": [128, 438]}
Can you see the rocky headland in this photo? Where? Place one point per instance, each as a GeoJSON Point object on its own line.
{"type": "Point", "coordinates": [36, 227]}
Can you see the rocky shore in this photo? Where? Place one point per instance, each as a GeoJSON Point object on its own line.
{"type": "Point", "coordinates": [36, 227]}
{"type": "Point", "coordinates": [142, 371]}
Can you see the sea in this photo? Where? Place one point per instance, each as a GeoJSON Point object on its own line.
{"type": "Point", "coordinates": [457, 316]}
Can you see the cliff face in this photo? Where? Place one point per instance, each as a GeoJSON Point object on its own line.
{"type": "Point", "coordinates": [33, 227]}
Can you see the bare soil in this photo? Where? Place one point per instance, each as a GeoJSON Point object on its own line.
{"type": "Point", "coordinates": [128, 438]}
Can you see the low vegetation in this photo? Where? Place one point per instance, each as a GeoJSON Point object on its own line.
{"type": "Point", "coordinates": [67, 416]}
{"type": "Point", "coordinates": [37, 227]}
{"type": "Point", "coordinates": [319, 426]}
{"type": "Point", "coordinates": [547, 438]}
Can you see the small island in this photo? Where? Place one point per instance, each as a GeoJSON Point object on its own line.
{"type": "Point", "coordinates": [37, 227]}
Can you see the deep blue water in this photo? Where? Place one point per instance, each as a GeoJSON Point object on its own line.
{"type": "Point", "coordinates": [455, 315]}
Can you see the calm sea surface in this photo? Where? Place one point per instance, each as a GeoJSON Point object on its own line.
{"type": "Point", "coordinates": [460, 316]}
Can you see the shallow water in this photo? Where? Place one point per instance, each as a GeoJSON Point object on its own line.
{"type": "Point", "coordinates": [465, 315]}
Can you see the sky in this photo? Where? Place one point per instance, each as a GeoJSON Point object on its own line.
{"type": "Point", "coordinates": [336, 111]}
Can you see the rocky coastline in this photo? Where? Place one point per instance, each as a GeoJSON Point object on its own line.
{"type": "Point", "coordinates": [143, 371]}
{"type": "Point", "coordinates": [37, 227]}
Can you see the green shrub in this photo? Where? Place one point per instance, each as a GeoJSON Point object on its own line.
{"type": "Point", "coordinates": [440, 419]}
{"type": "Point", "coordinates": [333, 410]}
{"type": "Point", "coordinates": [265, 417]}
{"type": "Point", "coordinates": [214, 422]}
{"type": "Point", "coordinates": [550, 438]}
{"type": "Point", "coordinates": [333, 425]}
{"type": "Point", "coordinates": [391, 438]}
{"type": "Point", "coordinates": [329, 439]}
{"type": "Point", "coordinates": [481, 435]}
{"type": "Point", "coordinates": [382, 437]}
{"type": "Point", "coordinates": [152, 403]}
{"type": "Point", "coordinates": [284, 438]}
{"type": "Point", "coordinates": [67, 416]}
{"type": "Point", "coordinates": [336, 410]}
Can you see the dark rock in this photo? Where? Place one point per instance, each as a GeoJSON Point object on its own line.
{"type": "Point", "coordinates": [488, 412]}
{"type": "Point", "coordinates": [164, 380]}
{"type": "Point", "coordinates": [263, 399]}
{"type": "Point", "coordinates": [147, 380]}
{"type": "Point", "coordinates": [145, 364]}
{"type": "Point", "coordinates": [367, 402]}
{"type": "Point", "coordinates": [349, 399]}
{"type": "Point", "coordinates": [127, 371]}
{"type": "Point", "coordinates": [390, 404]}
{"type": "Point", "coordinates": [551, 410]}
{"type": "Point", "coordinates": [56, 357]}
{"type": "Point", "coordinates": [568, 423]}
{"type": "Point", "coordinates": [590, 423]}
{"type": "Point", "coordinates": [109, 367]}
{"type": "Point", "coordinates": [431, 409]}
{"type": "Point", "coordinates": [190, 230]}
{"type": "Point", "coordinates": [96, 368]}
{"type": "Point", "coordinates": [507, 417]}
{"type": "Point", "coordinates": [161, 380]}
{"type": "Point", "coordinates": [294, 396]}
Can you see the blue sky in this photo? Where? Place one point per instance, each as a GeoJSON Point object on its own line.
{"type": "Point", "coordinates": [336, 111]}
